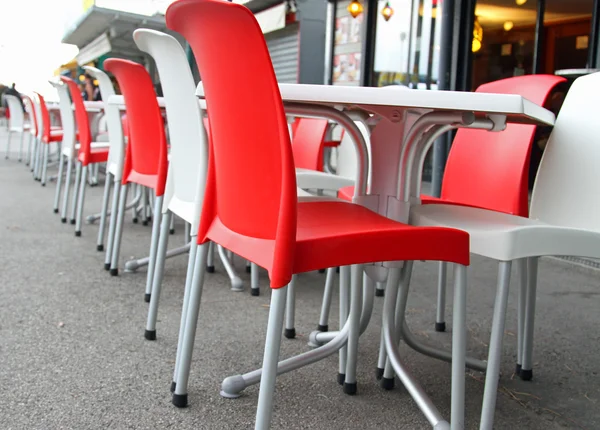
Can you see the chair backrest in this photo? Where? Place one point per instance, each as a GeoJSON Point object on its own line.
{"type": "Point", "coordinates": [307, 143]}
{"type": "Point", "coordinates": [251, 185]}
{"type": "Point", "coordinates": [565, 192]}
{"type": "Point", "coordinates": [491, 170]}
{"type": "Point", "coordinates": [45, 116]}
{"type": "Point", "coordinates": [146, 155]}
{"type": "Point", "coordinates": [116, 152]}
{"type": "Point", "coordinates": [346, 162]}
{"type": "Point", "coordinates": [16, 119]}
{"type": "Point", "coordinates": [83, 121]}
{"type": "Point", "coordinates": [30, 108]}
{"type": "Point", "coordinates": [66, 117]}
{"type": "Point", "coordinates": [38, 114]}
{"type": "Point", "coordinates": [188, 163]}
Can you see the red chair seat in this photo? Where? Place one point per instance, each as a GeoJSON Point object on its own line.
{"type": "Point", "coordinates": [346, 193]}
{"type": "Point", "coordinates": [336, 233]}
{"type": "Point", "coordinates": [97, 155]}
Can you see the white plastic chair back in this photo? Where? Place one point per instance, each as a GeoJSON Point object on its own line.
{"type": "Point", "coordinates": [16, 119]}
{"type": "Point", "coordinates": [30, 111]}
{"type": "Point", "coordinates": [346, 162]}
{"type": "Point", "coordinates": [116, 150]}
{"type": "Point", "coordinates": [565, 188]}
{"type": "Point", "coordinates": [38, 114]}
{"type": "Point", "coordinates": [67, 119]}
{"type": "Point", "coordinates": [186, 179]}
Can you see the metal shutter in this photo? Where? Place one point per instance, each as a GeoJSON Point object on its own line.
{"type": "Point", "coordinates": [283, 47]}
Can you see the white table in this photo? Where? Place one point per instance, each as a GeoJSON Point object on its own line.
{"type": "Point", "coordinates": [403, 123]}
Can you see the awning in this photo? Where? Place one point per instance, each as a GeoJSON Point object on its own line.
{"type": "Point", "coordinates": [100, 31]}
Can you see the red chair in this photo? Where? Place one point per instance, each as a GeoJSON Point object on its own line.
{"type": "Point", "coordinates": [307, 143]}
{"type": "Point", "coordinates": [87, 153]}
{"type": "Point", "coordinates": [49, 135]}
{"type": "Point", "coordinates": [146, 154]}
{"type": "Point", "coordinates": [270, 226]}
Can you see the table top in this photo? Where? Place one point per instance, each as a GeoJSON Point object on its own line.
{"type": "Point", "coordinates": [575, 73]}
{"type": "Point", "coordinates": [515, 107]}
{"type": "Point", "coordinates": [119, 100]}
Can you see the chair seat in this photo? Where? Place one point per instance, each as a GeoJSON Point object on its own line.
{"type": "Point", "coordinates": [98, 154]}
{"type": "Point", "coordinates": [313, 179]}
{"type": "Point", "coordinates": [331, 233]}
{"type": "Point", "coordinates": [507, 237]}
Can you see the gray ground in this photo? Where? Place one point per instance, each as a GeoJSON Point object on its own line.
{"type": "Point", "coordinates": [73, 356]}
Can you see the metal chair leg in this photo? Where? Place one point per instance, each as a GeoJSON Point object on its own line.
{"type": "Point", "coordinates": [264, 410]}
{"type": "Point", "coordinates": [521, 267]}
{"type": "Point", "coordinates": [153, 247]}
{"type": "Point", "coordinates": [290, 310]}
{"type": "Point", "coordinates": [356, 286]}
{"type": "Point", "coordinates": [440, 319]}
{"type": "Point", "coordinates": [490, 391]}
{"type": "Point", "coordinates": [81, 199]}
{"type": "Point", "coordinates": [326, 303]}
{"type": "Point", "coordinates": [59, 181]}
{"type": "Point", "coordinates": [21, 147]}
{"type": "Point", "coordinates": [254, 287]}
{"type": "Point", "coordinates": [344, 309]}
{"type": "Point", "coordinates": [527, 364]}
{"type": "Point", "coordinates": [63, 213]}
{"type": "Point", "coordinates": [104, 211]}
{"type": "Point", "coordinates": [45, 164]}
{"type": "Point", "coordinates": [75, 193]}
{"type": "Point", "coordinates": [116, 245]}
{"type": "Point", "coordinates": [8, 144]}
{"type": "Point", "coordinates": [157, 277]}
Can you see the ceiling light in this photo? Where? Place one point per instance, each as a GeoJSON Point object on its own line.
{"type": "Point", "coordinates": [508, 25]}
{"type": "Point", "coordinates": [387, 11]}
{"type": "Point", "coordinates": [355, 8]}
{"type": "Point", "coordinates": [520, 2]}
{"type": "Point", "coordinates": [477, 35]}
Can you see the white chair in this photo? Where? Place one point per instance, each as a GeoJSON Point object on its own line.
{"type": "Point", "coordinates": [16, 123]}
{"type": "Point", "coordinates": [33, 127]}
{"type": "Point", "coordinates": [564, 220]}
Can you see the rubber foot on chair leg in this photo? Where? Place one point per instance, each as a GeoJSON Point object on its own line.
{"type": "Point", "coordinates": [99, 247]}
{"type": "Point", "coordinates": [180, 400]}
{"type": "Point", "coordinates": [248, 269]}
{"type": "Point", "coordinates": [150, 335]}
{"type": "Point", "coordinates": [379, 293]}
{"type": "Point", "coordinates": [43, 184]}
{"type": "Point", "coordinates": [323, 328]}
{"type": "Point", "coordinates": [106, 266]}
{"type": "Point", "coordinates": [341, 378]}
{"type": "Point", "coordinates": [387, 383]}
{"type": "Point", "coordinates": [255, 292]}
{"type": "Point", "coordinates": [210, 269]}
{"type": "Point", "coordinates": [379, 373]}
{"type": "Point", "coordinates": [72, 222]}
{"type": "Point", "coordinates": [135, 220]}
{"type": "Point", "coordinates": [172, 231]}
{"type": "Point", "coordinates": [440, 326]}
{"type": "Point", "coordinates": [173, 386]}
{"type": "Point", "coordinates": [55, 211]}
{"type": "Point", "coordinates": [114, 272]}
{"type": "Point", "coordinates": [518, 370]}
{"type": "Point", "coordinates": [77, 234]}
{"type": "Point", "coordinates": [321, 270]}
{"type": "Point", "coordinates": [350, 388]}
{"type": "Point", "coordinates": [147, 297]}
{"type": "Point", "coordinates": [526, 375]}
{"type": "Point", "coordinates": [289, 333]}
{"type": "Point", "coordinates": [63, 220]}
{"type": "Point", "coordinates": [145, 222]}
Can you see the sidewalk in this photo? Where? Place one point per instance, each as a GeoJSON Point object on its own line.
{"type": "Point", "coordinates": [73, 355]}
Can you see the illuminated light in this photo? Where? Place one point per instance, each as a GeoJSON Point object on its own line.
{"type": "Point", "coordinates": [520, 2]}
{"type": "Point", "coordinates": [387, 11]}
{"type": "Point", "coordinates": [508, 25]}
{"type": "Point", "coordinates": [81, 78]}
{"type": "Point", "coordinates": [355, 8]}
{"type": "Point", "coordinates": [477, 35]}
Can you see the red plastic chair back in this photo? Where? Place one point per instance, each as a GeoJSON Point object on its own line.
{"type": "Point", "coordinates": [490, 170]}
{"type": "Point", "coordinates": [251, 183]}
{"type": "Point", "coordinates": [146, 156]}
{"type": "Point", "coordinates": [45, 119]}
{"type": "Point", "coordinates": [307, 143]}
{"type": "Point", "coordinates": [84, 132]}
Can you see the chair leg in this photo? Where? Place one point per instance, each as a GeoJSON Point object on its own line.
{"type": "Point", "coordinates": [157, 277]}
{"type": "Point", "coordinates": [116, 248]}
{"type": "Point", "coordinates": [495, 350]}
{"type": "Point", "coordinates": [326, 304]}
{"type": "Point", "coordinates": [356, 286]}
{"type": "Point", "coordinates": [81, 199]}
{"type": "Point", "coordinates": [186, 298]}
{"type": "Point", "coordinates": [344, 309]}
{"type": "Point", "coordinates": [380, 289]}
{"type": "Point", "coordinates": [104, 212]}
{"type": "Point", "coordinates": [156, 227]}
{"type": "Point", "coordinates": [21, 147]}
{"type": "Point", "coordinates": [521, 267]}
{"type": "Point", "coordinates": [382, 359]}
{"type": "Point", "coordinates": [8, 144]}
{"type": "Point", "coordinates": [440, 320]}
{"type": "Point", "coordinates": [264, 410]}
{"type": "Point", "coordinates": [459, 348]}
{"type": "Point", "coordinates": [172, 228]}
{"type": "Point", "coordinates": [191, 321]}
{"type": "Point", "coordinates": [65, 203]}
{"type": "Point", "coordinates": [75, 193]}
{"type": "Point", "coordinates": [113, 224]}
{"type": "Point", "coordinates": [254, 287]}
{"type": "Point", "coordinates": [45, 164]}
{"type": "Point", "coordinates": [59, 181]}
{"type": "Point", "coordinates": [290, 310]}
{"type": "Point", "coordinates": [527, 364]}
{"type": "Point", "coordinates": [210, 260]}
{"type": "Point", "coordinates": [29, 142]}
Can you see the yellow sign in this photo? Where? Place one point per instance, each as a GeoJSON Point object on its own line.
{"type": "Point", "coordinates": [88, 4]}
